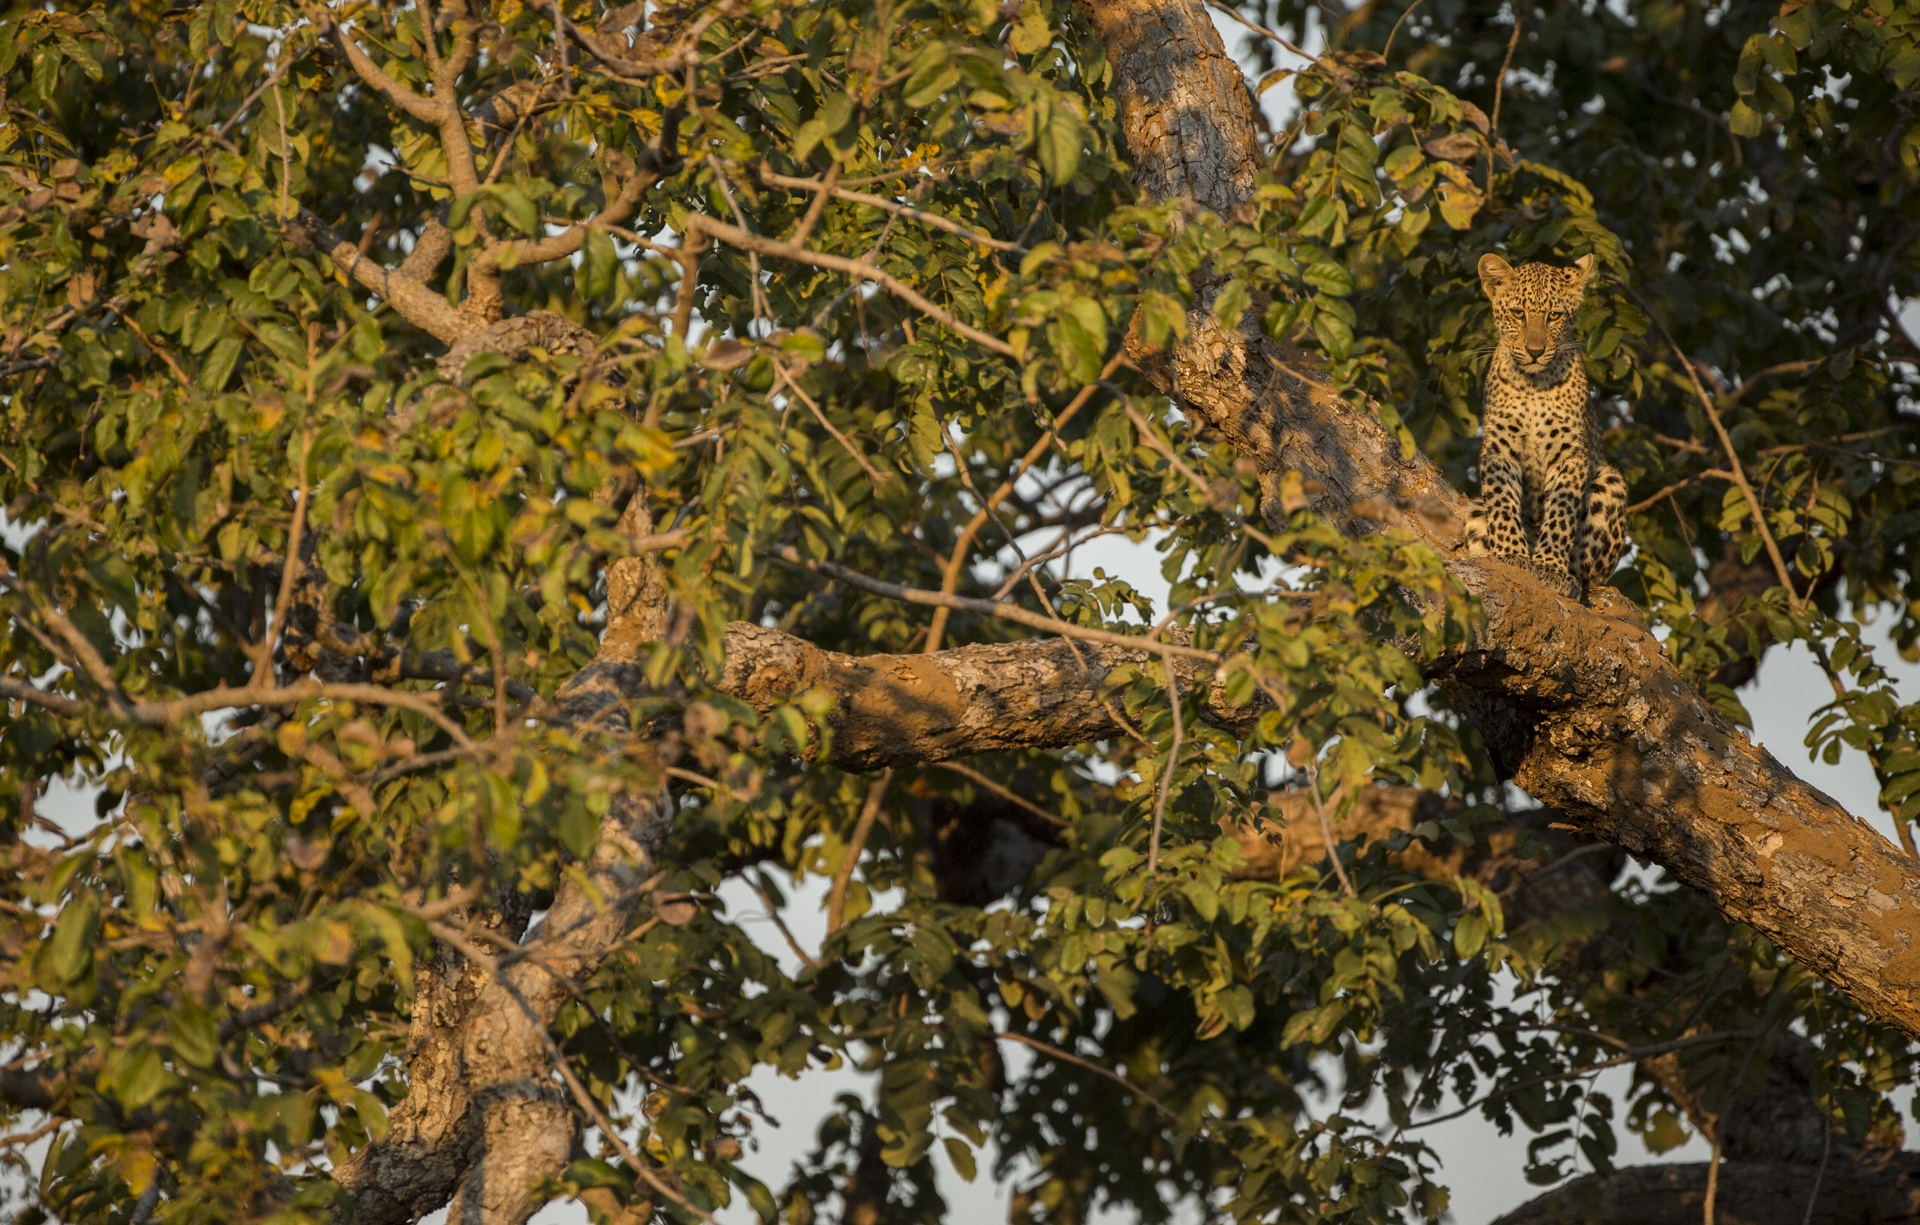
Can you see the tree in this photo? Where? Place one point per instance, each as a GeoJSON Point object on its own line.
{"type": "Point", "coordinates": [469, 462]}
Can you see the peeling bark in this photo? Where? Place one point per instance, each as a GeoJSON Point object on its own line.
{"type": "Point", "coordinates": [1580, 701]}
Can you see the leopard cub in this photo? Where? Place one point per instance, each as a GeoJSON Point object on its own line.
{"type": "Point", "coordinates": [1547, 499]}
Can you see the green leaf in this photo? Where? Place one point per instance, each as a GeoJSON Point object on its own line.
{"type": "Point", "coordinates": [1470, 934]}
{"type": "Point", "coordinates": [218, 366]}
{"type": "Point", "coordinates": [932, 76]}
{"type": "Point", "coordinates": [195, 1036]}
{"type": "Point", "coordinates": [69, 955]}
{"type": "Point", "coordinates": [960, 1153]}
{"type": "Point", "coordinates": [1205, 901]}
{"type": "Point", "coordinates": [1060, 141]}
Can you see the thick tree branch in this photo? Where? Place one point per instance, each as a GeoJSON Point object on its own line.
{"type": "Point", "coordinates": [417, 304]}
{"type": "Point", "coordinates": [1581, 701]}
{"type": "Point", "coordinates": [1864, 1187]}
{"type": "Point", "coordinates": [912, 709]}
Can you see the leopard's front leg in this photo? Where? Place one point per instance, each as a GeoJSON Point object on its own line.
{"type": "Point", "coordinates": [1553, 550]}
{"type": "Point", "coordinates": [1495, 527]}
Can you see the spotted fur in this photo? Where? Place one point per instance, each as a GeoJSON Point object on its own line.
{"type": "Point", "coordinates": [1547, 498]}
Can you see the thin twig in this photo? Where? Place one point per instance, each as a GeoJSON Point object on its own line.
{"type": "Point", "coordinates": [1819, 1172]}
{"type": "Point", "coordinates": [1326, 827]}
{"type": "Point", "coordinates": [878, 477]}
{"type": "Point", "coordinates": [1408, 12]}
{"type": "Point", "coordinates": [221, 129]}
{"type": "Point", "coordinates": [1153, 439]}
{"type": "Point", "coordinates": [1639, 1053]}
{"type": "Point", "coordinates": [840, 192]}
{"type": "Point", "coordinates": [956, 561]}
{"type": "Point", "coordinates": [1499, 86]}
{"type": "Point", "coordinates": [290, 571]}
{"type": "Point", "coordinates": [1166, 775]}
{"type": "Point", "coordinates": [1738, 473]}
{"type": "Point", "coordinates": [843, 878]}
{"type": "Point", "coordinates": [286, 155]}
{"type": "Point", "coordinates": [1009, 612]}
{"type": "Point", "coordinates": [1095, 1068]}
{"type": "Point", "coordinates": [816, 206]}
{"type": "Point", "coordinates": [773, 912]}
{"type": "Point", "coordinates": [740, 237]}
{"type": "Point", "coordinates": [1004, 793]}
{"type": "Point", "coordinates": [1262, 30]}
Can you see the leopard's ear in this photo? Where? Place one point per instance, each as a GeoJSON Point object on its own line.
{"type": "Point", "coordinates": [1494, 272]}
{"type": "Point", "coordinates": [1582, 271]}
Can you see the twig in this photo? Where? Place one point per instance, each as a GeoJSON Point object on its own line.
{"type": "Point", "coordinates": [1499, 85]}
{"type": "Point", "coordinates": [1166, 775]}
{"type": "Point", "coordinates": [1009, 612]}
{"type": "Point", "coordinates": [290, 571]}
{"type": "Point", "coordinates": [878, 477]}
{"type": "Point", "coordinates": [1408, 12]}
{"type": "Point", "coordinates": [773, 912]}
{"type": "Point", "coordinates": [1738, 473]}
{"type": "Point", "coordinates": [740, 237]}
{"type": "Point", "coordinates": [1153, 439]}
{"type": "Point", "coordinates": [1632, 1056]}
{"type": "Point", "coordinates": [133, 325]}
{"type": "Point", "coordinates": [286, 62]}
{"type": "Point", "coordinates": [869, 812]}
{"type": "Point", "coordinates": [956, 561]}
{"type": "Point", "coordinates": [1326, 827]}
{"type": "Point", "coordinates": [839, 192]}
{"type": "Point", "coordinates": [286, 155]}
{"type": "Point", "coordinates": [32, 363]}
{"type": "Point", "coordinates": [685, 57]}
{"type": "Point", "coordinates": [1004, 793]}
{"type": "Point", "coordinates": [1258, 29]}
{"type": "Point", "coordinates": [162, 713]}
{"type": "Point", "coordinates": [1819, 1172]}
{"type": "Point", "coordinates": [1095, 1068]}
{"type": "Point", "coordinates": [816, 206]}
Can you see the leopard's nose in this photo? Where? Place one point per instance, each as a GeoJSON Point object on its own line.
{"type": "Point", "coordinates": [1536, 351]}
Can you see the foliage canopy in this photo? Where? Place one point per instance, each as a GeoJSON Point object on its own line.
{"type": "Point", "coordinates": [850, 283]}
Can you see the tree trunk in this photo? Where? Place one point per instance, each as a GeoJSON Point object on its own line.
{"type": "Point", "coordinates": [1879, 1189]}
{"type": "Point", "coordinates": [484, 1119]}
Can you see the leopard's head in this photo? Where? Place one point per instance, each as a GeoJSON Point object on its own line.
{"type": "Point", "coordinates": [1533, 310]}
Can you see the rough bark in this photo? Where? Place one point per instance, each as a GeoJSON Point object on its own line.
{"type": "Point", "coordinates": [897, 710]}
{"type": "Point", "coordinates": [1870, 1190]}
{"type": "Point", "coordinates": [483, 1119]}
{"type": "Point", "coordinates": [1580, 700]}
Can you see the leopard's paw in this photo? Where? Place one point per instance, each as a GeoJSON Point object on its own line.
{"type": "Point", "coordinates": [1554, 577]}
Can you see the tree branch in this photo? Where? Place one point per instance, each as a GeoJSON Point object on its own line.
{"type": "Point", "coordinates": [705, 226]}
{"type": "Point", "coordinates": [417, 304]}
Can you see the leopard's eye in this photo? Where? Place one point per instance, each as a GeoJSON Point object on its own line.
{"type": "Point", "coordinates": [1556, 314]}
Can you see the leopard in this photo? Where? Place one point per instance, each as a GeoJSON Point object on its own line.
{"type": "Point", "coordinates": [1548, 499]}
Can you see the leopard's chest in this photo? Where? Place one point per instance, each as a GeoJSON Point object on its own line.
{"type": "Point", "coordinates": [1544, 425]}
